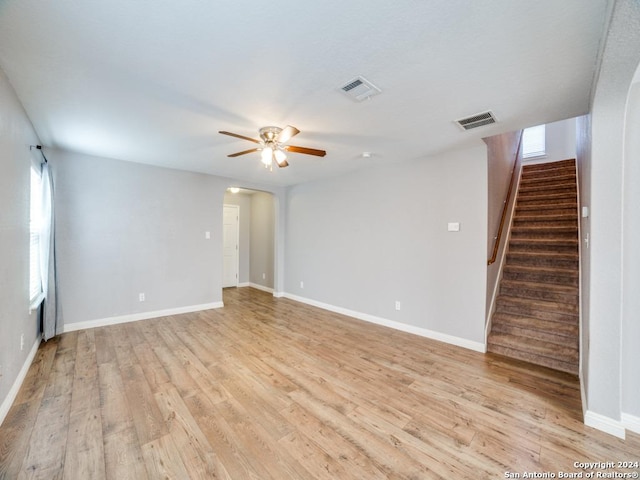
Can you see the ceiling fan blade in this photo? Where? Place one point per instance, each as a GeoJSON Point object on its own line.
{"type": "Point", "coordinates": [287, 133]}
{"type": "Point", "coordinates": [239, 136]}
{"type": "Point", "coordinates": [244, 152]}
{"type": "Point", "coordinates": [305, 150]}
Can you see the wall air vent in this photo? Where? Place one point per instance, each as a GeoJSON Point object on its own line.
{"type": "Point", "coordinates": [360, 89]}
{"type": "Point", "coordinates": [477, 120]}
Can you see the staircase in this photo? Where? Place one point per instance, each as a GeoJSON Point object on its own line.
{"type": "Point", "coordinates": [536, 314]}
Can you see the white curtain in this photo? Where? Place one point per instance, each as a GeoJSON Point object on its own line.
{"type": "Point", "coordinates": [51, 324]}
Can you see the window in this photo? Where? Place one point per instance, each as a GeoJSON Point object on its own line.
{"type": "Point", "coordinates": [35, 227]}
{"type": "Point", "coordinates": [533, 142]}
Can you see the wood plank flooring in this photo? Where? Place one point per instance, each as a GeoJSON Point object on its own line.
{"type": "Point", "coordinates": [269, 388]}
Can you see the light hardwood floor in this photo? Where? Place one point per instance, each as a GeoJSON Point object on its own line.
{"type": "Point", "coordinates": [270, 388]}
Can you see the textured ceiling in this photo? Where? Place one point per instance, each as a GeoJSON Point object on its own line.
{"type": "Point", "coordinates": [154, 81]}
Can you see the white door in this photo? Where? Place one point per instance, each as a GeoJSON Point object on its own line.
{"type": "Point", "coordinates": [230, 245]}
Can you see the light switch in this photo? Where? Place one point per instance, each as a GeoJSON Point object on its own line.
{"type": "Point", "coordinates": [453, 227]}
{"type": "Point", "coordinates": [207, 235]}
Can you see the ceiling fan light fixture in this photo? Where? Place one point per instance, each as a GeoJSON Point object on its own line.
{"type": "Point", "coordinates": [233, 189]}
{"type": "Point", "coordinates": [267, 156]}
{"type": "Point", "coordinates": [272, 147]}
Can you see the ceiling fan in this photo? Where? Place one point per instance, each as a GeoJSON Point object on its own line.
{"type": "Point", "coordinates": [272, 145]}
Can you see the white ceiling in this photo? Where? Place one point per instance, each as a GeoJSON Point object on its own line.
{"type": "Point", "coordinates": [153, 81]}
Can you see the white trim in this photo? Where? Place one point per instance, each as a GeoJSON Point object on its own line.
{"type": "Point", "coordinates": [279, 294]}
{"type": "Point", "coordinates": [605, 424]}
{"type": "Point", "coordinates": [536, 159]}
{"type": "Point", "coordinates": [631, 422]}
{"type": "Point", "coordinates": [423, 332]}
{"type": "Point", "coordinates": [102, 322]}
{"type": "Point", "coordinates": [15, 388]}
{"type": "Point", "coordinates": [261, 287]}
{"type": "Point", "coordinates": [35, 303]}
{"type": "Point", "coordinates": [583, 393]}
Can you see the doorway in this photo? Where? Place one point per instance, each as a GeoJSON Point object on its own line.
{"type": "Point", "coordinates": [230, 241]}
{"type": "Point", "coordinates": [257, 242]}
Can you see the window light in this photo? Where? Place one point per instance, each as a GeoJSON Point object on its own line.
{"type": "Point", "coordinates": [35, 227]}
{"type": "Point", "coordinates": [533, 142]}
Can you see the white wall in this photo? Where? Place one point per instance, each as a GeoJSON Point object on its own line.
{"type": "Point", "coordinates": [501, 153]}
{"type": "Point", "coordinates": [243, 201]}
{"type": "Point", "coordinates": [631, 258]}
{"type": "Point", "coordinates": [619, 62]}
{"type": "Point", "coordinates": [125, 228]}
{"type": "Point", "coordinates": [583, 161]}
{"type": "Point", "coordinates": [362, 241]}
{"type": "Point", "coordinates": [561, 140]}
{"type": "Point", "coordinates": [262, 239]}
{"type": "Point", "coordinates": [16, 134]}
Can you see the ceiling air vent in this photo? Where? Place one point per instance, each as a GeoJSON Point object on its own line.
{"type": "Point", "coordinates": [360, 89]}
{"type": "Point", "coordinates": [477, 120]}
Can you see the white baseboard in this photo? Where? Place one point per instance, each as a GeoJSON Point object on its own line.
{"type": "Point", "coordinates": [102, 322]}
{"type": "Point", "coordinates": [15, 388]}
{"type": "Point", "coordinates": [423, 332]}
{"type": "Point", "coordinates": [606, 424]}
{"type": "Point", "coordinates": [257, 286]}
{"type": "Point", "coordinates": [631, 422]}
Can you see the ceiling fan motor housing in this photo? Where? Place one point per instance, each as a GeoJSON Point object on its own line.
{"type": "Point", "coordinates": [269, 133]}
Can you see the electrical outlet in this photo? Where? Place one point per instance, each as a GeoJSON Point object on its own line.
{"type": "Point", "coordinates": [141, 297]}
{"type": "Point", "coordinates": [264, 276]}
{"type": "Point", "coordinates": [397, 305]}
{"type": "Point", "coordinates": [22, 342]}
{"type": "Point", "coordinates": [301, 284]}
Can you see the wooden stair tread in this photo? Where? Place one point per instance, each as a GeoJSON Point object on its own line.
{"type": "Point", "coordinates": [545, 241]}
{"type": "Point", "coordinates": [546, 216]}
{"type": "Point", "coordinates": [548, 206]}
{"type": "Point", "coordinates": [528, 285]}
{"type": "Point", "coordinates": [523, 244]}
{"type": "Point", "coordinates": [555, 337]}
{"type": "Point", "coordinates": [540, 285]}
{"type": "Point", "coordinates": [558, 255]}
{"type": "Point", "coordinates": [537, 305]}
{"type": "Point", "coordinates": [540, 347]}
{"type": "Point", "coordinates": [527, 188]}
{"type": "Point", "coordinates": [537, 232]}
{"type": "Point", "coordinates": [568, 163]}
{"type": "Point", "coordinates": [548, 270]}
{"type": "Point", "coordinates": [528, 179]}
{"type": "Point", "coordinates": [528, 269]}
{"type": "Point", "coordinates": [523, 321]}
{"type": "Point", "coordinates": [560, 365]}
{"type": "Point", "coordinates": [542, 258]}
{"type": "Point", "coordinates": [546, 198]}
